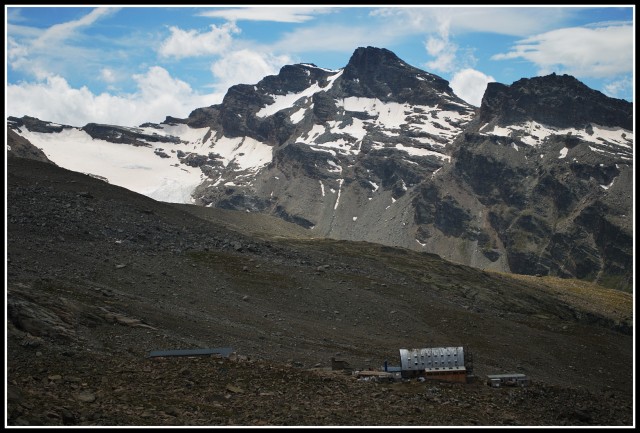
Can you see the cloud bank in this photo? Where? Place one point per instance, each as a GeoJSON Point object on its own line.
{"type": "Point", "coordinates": [158, 95]}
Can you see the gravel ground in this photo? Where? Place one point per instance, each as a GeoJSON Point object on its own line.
{"type": "Point", "coordinates": [98, 277]}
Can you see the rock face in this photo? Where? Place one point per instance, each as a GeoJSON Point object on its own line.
{"type": "Point", "coordinates": [547, 163]}
{"type": "Point", "coordinates": [554, 100]}
{"type": "Point", "coordinates": [23, 148]}
{"type": "Point", "coordinates": [132, 136]}
{"type": "Point", "coordinates": [538, 180]}
{"type": "Point", "coordinates": [378, 73]}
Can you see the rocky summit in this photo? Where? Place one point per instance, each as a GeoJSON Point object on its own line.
{"type": "Point", "coordinates": [538, 180]}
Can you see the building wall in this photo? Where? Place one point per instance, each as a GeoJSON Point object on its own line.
{"type": "Point", "coordinates": [433, 357]}
{"type": "Point", "coordinates": [448, 376]}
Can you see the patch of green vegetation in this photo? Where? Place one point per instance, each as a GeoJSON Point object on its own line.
{"type": "Point", "coordinates": [582, 295]}
{"type": "Point", "coordinates": [617, 282]}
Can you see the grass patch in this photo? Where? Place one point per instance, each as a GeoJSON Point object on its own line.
{"type": "Point", "coordinates": [584, 295]}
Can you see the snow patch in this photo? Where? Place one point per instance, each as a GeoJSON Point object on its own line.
{"type": "Point", "coordinates": [605, 187]}
{"type": "Point", "coordinates": [356, 129]}
{"type": "Point", "coordinates": [136, 168]}
{"type": "Point", "coordinates": [534, 134]}
{"type": "Point", "coordinates": [563, 152]}
{"type": "Point", "coordinates": [331, 152]}
{"type": "Point", "coordinates": [335, 168]}
{"type": "Point", "coordinates": [185, 132]}
{"type": "Point", "coordinates": [390, 115]}
{"type": "Point", "coordinates": [309, 65]}
{"type": "Point", "coordinates": [422, 152]}
{"type": "Point", "coordinates": [298, 115]}
{"type": "Point", "coordinates": [340, 145]}
{"type": "Point", "coordinates": [280, 102]}
{"type": "Point", "coordinates": [246, 152]}
{"type": "Point", "coordinates": [313, 133]}
{"type": "Point", "coordinates": [339, 190]}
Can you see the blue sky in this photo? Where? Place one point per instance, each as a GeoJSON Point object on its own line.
{"type": "Point", "coordinates": [129, 65]}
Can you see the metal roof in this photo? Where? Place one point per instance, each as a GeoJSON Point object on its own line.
{"type": "Point", "coordinates": [440, 358]}
{"type": "Point", "coordinates": [222, 351]}
{"type": "Point", "coordinates": [506, 376]}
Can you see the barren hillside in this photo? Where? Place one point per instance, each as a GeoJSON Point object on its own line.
{"type": "Point", "coordinates": [98, 276]}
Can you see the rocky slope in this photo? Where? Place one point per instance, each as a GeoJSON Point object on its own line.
{"type": "Point", "coordinates": [98, 276]}
{"type": "Point", "coordinates": [538, 180]}
{"type": "Point", "coordinates": [21, 147]}
{"type": "Point", "coordinates": [543, 180]}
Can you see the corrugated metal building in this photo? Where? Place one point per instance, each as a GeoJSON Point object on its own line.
{"type": "Point", "coordinates": [431, 358]}
{"type": "Point", "coordinates": [441, 363]}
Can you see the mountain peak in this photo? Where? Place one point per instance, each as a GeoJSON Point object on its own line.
{"type": "Point", "coordinates": [369, 58]}
{"type": "Point", "coordinates": [378, 72]}
{"type": "Point", "coordinates": [555, 100]}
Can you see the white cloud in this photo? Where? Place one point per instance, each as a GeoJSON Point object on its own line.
{"type": "Point", "coordinates": [15, 14]}
{"type": "Point", "coordinates": [191, 43]}
{"type": "Point", "coordinates": [55, 100]}
{"type": "Point", "coordinates": [579, 51]}
{"type": "Point", "coordinates": [278, 14]}
{"type": "Point", "coordinates": [515, 21]}
{"type": "Point", "coordinates": [444, 52]}
{"type": "Point", "coordinates": [157, 83]}
{"type": "Point", "coordinates": [435, 45]}
{"type": "Point", "coordinates": [20, 31]}
{"type": "Point", "coordinates": [245, 67]}
{"type": "Point", "coordinates": [58, 33]}
{"type": "Point", "coordinates": [15, 50]}
{"type": "Point", "coordinates": [336, 38]}
{"type": "Point", "coordinates": [470, 85]}
{"type": "Point", "coordinates": [39, 51]}
{"type": "Point", "coordinates": [618, 87]}
{"type": "Point", "coordinates": [108, 75]}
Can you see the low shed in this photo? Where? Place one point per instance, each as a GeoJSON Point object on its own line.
{"type": "Point", "coordinates": [508, 379]}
